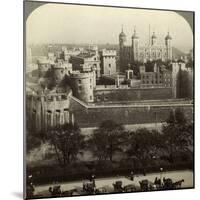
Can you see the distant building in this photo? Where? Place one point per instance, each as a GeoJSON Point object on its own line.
{"type": "Point", "coordinates": [86, 62]}
{"type": "Point", "coordinates": [67, 53]}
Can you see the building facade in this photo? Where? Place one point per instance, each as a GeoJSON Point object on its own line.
{"type": "Point", "coordinates": [108, 62]}
{"type": "Point", "coordinates": [150, 52]}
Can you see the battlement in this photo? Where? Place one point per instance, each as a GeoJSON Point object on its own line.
{"type": "Point", "coordinates": [58, 66]}
{"type": "Point", "coordinates": [49, 97]}
{"type": "Point", "coordinates": [43, 60]}
{"type": "Point", "coordinates": [78, 74]}
{"type": "Point", "coordinates": [106, 52]}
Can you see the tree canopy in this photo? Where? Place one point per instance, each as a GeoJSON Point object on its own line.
{"type": "Point", "coordinates": [178, 134]}
{"type": "Point", "coordinates": [107, 139]}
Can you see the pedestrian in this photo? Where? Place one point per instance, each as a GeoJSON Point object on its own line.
{"type": "Point", "coordinates": [132, 176]}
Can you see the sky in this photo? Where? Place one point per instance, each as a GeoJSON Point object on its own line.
{"type": "Point", "coordinates": [63, 23]}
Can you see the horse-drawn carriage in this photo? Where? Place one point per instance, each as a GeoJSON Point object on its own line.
{"type": "Point", "coordinates": [89, 187]}
{"type": "Point", "coordinates": [118, 186]}
{"type": "Point", "coordinates": [130, 188]}
{"type": "Point", "coordinates": [104, 190]}
{"type": "Point", "coordinates": [166, 184]}
{"type": "Point", "coordinates": [55, 190]}
{"type": "Point", "coordinates": [146, 185]}
{"type": "Point", "coordinates": [127, 188]}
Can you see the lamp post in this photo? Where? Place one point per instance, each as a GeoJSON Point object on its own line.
{"type": "Point", "coordinates": [156, 120]}
{"type": "Point", "coordinates": [161, 170]}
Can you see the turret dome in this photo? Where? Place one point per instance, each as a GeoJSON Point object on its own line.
{"type": "Point", "coordinates": [168, 37]}
{"type": "Point", "coordinates": [134, 36]}
{"type": "Point", "coordinates": [122, 34]}
{"type": "Point", "coordinates": [153, 36]}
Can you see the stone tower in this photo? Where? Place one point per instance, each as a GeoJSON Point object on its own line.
{"type": "Point", "coordinates": [43, 66]}
{"type": "Point", "coordinates": [83, 85]}
{"type": "Point", "coordinates": [122, 40]}
{"type": "Point", "coordinates": [58, 72]}
{"type": "Point", "coordinates": [135, 47]}
{"type": "Point", "coordinates": [168, 43]}
{"type": "Point", "coordinates": [175, 79]}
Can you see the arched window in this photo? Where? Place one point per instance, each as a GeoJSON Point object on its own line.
{"type": "Point", "coordinates": [49, 116]}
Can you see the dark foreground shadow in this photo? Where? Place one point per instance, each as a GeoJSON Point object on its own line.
{"type": "Point", "coordinates": [18, 194]}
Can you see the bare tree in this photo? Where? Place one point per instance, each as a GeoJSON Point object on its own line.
{"type": "Point", "coordinates": [67, 141]}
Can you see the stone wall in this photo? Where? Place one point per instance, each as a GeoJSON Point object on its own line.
{"type": "Point", "coordinates": [47, 111]}
{"type": "Point", "coordinates": [132, 94]}
{"type": "Point", "coordinates": [92, 116]}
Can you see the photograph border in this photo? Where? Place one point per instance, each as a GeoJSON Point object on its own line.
{"type": "Point", "coordinates": [25, 16]}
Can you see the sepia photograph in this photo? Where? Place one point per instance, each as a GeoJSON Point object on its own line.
{"type": "Point", "coordinates": [108, 98]}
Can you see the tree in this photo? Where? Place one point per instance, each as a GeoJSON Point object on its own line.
{"type": "Point", "coordinates": [107, 139]}
{"type": "Point", "coordinates": [143, 145]}
{"type": "Point", "coordinates": [178, 134]}
{"type": "Point", "coordinates": [67, 141]}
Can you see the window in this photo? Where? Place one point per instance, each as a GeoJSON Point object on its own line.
{"type": "Point", "coordinates": [90, 80]}
{"type": "Point", "coordinates": [105, 98]}
{"type": "Point", "coordinates": [90, 97]}
{"type": "Point", "coordinates": [79, 81]}
{"type": "Point", "coordinates": [66, 115]}
{"type": "Point", "coordinates": [80, 87]}
{"type": "Point", "coordinates": [57, 117]}
{"type": "Point", "coordinates": [59, 97]}
{"type": "Point", "coordinates": [109, 65]}
{"type": "Point", "coordinates": [90, 86]}
{"type": "Point", "coordinates": [49, 118]}
{"type": "Point", "coordinates": [98, 98]}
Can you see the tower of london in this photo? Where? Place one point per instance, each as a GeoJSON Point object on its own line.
{"type": "Point", "coordinates": [76, 84]}
{"type": "Point", "coordinates": [137, 53]}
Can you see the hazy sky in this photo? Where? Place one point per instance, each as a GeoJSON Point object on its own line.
{"type": "Point", "coordinates": [60, 23]}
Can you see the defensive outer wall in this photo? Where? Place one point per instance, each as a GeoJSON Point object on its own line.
{"type": "Point", "coordinates": [91, 115]}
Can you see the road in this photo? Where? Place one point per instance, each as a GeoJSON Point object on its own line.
{"type": "Point", "coordinates": [187, 175]}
